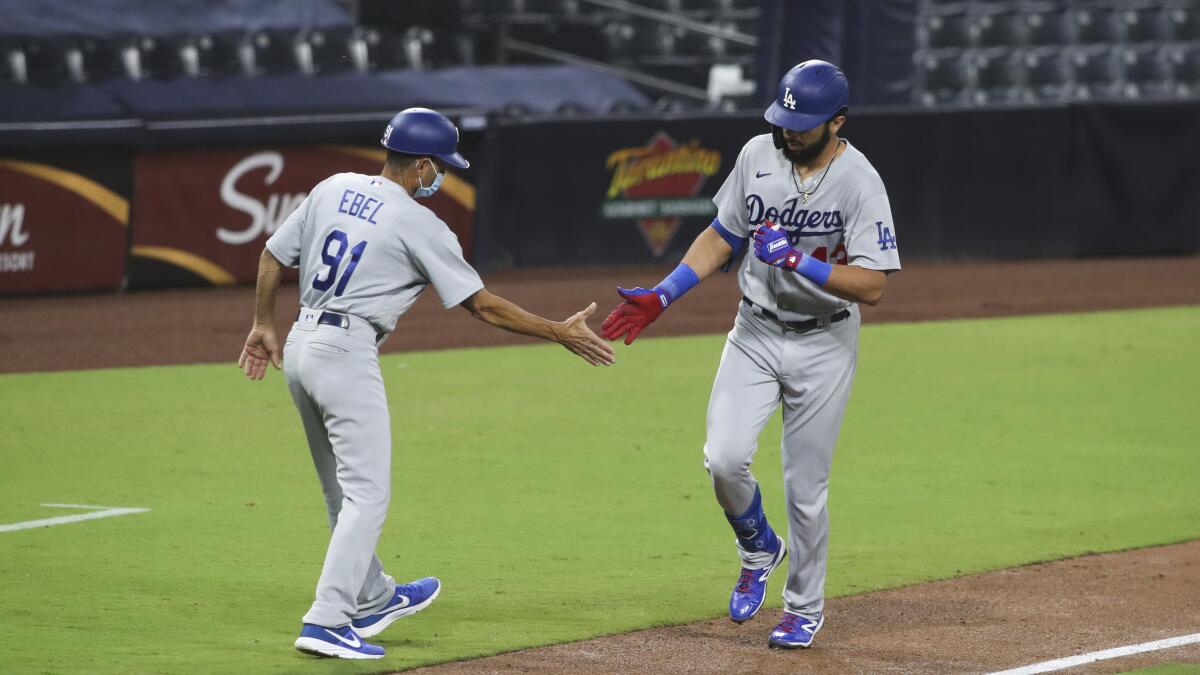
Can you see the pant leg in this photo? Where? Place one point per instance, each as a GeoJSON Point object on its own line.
{"type": "Point", "coordinates": [745, 394]}
{"type": "Point", "coordinates": [337, 375]}
{"type": "Point", "coordinates": [816, 389]}
{"type": "Point", "coordinates": [378, 587]}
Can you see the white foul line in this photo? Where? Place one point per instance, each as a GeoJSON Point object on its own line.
{"type": "Point", "coordinates": [97, 512]}
{"type": "Point", "coordinates": [1116, 652]}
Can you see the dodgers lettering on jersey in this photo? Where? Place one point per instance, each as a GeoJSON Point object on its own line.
{"type": "Point", "coordinates": [847, 220]}
{"type": "Point", "coordinates": [365, 247]}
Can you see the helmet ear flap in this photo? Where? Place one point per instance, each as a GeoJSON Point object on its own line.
{"type": "Point", "coordinates": [777, 137]}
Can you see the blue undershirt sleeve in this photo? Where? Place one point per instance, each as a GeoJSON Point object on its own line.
{"type": "Point", "coordinates": [738, 244]}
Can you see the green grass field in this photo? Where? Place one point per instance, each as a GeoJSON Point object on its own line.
{"type": "Point", "coordinates": [558, 501]}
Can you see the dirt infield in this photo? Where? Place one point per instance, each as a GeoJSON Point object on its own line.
{"type": "Point", "coordinates": [980, 623]}
{"type": "Point", "coordinates": [208, 325]}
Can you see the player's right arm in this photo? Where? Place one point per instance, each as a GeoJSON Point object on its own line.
{"type": "Point", "coordinates": [573, 333]}
{"type": "Point", "coordinates": [717, 245]}
{"type": "Point", "coordinates": [262, 345]}
{"type": "Point", "coordinates": [282, 248]}
{"type": "Point", "coordinates": [642, 306]}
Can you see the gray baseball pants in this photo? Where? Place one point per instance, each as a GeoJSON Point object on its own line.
{"type": "Point", "coordinates": [334, 377]}
{"type": "Point", "coordinates": [765, 364]}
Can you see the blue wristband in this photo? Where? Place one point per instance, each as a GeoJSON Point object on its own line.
{"type": "Point", "coordinates": [814, 270]}
{"type": "Point", "coordinates": [678, 282]}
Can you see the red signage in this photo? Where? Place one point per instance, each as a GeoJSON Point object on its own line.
{"type": "Point", "coordinates": [59, 230]}
{"type": "Point", "coordinates": [211, 211]}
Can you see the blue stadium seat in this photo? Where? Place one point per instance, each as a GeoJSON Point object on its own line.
{"type": "Point", "coordinates": [1049, 27]}
{"type": "Point", "coordinates": [944, 78]}
{"type": "Point", "coordinates": [1001, 27]}
{"type": "Point", "coordinates": [385, 50]}
{"type": "Point", "coordinates": [1045, 74]}
{"type": "Point", "coordinates": [1183, 60]}
{"type": "Point", "coordinates": [1147, 23]}
{"type": "Point", "coordinates": [996, 76]}
{"type": "Point", "coordinates": [340, 50]}
{"type": "Point", "coordinates": [1095, 73]}
{"type": "Point", "coordinates": [1096, 25]}
{"type": "Point", "coordinates": [941, 30]}
{"type": "Point", "coordinates": [1183, 22]}
{"type": "Point", "coordinates": [1146, 72]}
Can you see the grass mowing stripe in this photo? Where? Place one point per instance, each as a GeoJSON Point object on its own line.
{"type": "Point", "coordinates": [558, 501]}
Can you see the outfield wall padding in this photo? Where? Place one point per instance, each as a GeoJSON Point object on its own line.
{"type": "Point", "coordinates": [1017, 183]}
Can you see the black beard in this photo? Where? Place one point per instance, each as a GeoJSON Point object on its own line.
{"type": "Point", "coordinates": [808, 153]}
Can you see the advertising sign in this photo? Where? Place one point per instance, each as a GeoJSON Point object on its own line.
{"type": "Point", "coordinates": [203, 216]}
{"type": "Point", "coordinates": [62, 229]}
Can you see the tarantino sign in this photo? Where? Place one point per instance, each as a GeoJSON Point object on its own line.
{"type": "Point", "coordinates": [210, 212]}
{"type": "Point", "coordinates": [60, 230]}
{"type": "Point", "coordinates": [656, 185]}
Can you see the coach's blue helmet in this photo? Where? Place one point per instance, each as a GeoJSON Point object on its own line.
{"type": "Point", "coordinates": [421, 131]}
{"type": "Point", "coordinates": [809, 94]}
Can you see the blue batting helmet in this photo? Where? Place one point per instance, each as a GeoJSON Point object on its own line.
{"type": "Point", "coordinates": [421, 131]}
{"type": "Point", "coordinates": [809, 94]}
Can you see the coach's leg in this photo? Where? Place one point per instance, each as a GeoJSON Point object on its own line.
{"type": "Point", "coordinates": [815, 393]}
{"type": "Point", "coordinates": [349, 389]}
{"type": "Point", "coordinates": [745, 393]}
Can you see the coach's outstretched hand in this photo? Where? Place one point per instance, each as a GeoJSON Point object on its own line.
{"type": "Point", "coordinates": [575, 335]}
{"type": "Point", "coordinates": [261, 346]}
{"type": "Point", "coordinates": [630, 318]}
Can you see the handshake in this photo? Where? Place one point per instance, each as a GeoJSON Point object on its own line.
{"type": "Point", "coordinates": [642, 306]}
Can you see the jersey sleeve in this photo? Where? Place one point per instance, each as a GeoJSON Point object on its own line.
{"type": "Point", "coordinates": [871, 236]}
{"type": "Point", "coordinates": [440, 260]}
{"type": "Point", "coordinates": [731, 201]}
{"type": "Point", "coordinates": [285, 243]}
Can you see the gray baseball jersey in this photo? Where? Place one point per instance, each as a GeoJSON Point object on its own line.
{"type": "Point", "coordinates": [846, 219]}
{"type": "Point", "coordinates": [367, 248]}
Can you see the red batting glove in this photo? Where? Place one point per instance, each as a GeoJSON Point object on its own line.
{"type": "Point", "coordinates": [630, 318]}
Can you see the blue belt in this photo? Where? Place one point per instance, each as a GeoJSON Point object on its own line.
{"type": "Point", "coordinates": [331, 319]}
{"type": "Point", "coordinates": [799, 326]}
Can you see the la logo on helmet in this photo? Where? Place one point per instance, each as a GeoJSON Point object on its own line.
{"type": "Point", "coordinates": [788, 99]}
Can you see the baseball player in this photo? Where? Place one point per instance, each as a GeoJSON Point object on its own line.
{"type": "Point", "coordinates": [817, 216]}
{"type": "Point", "coordinates": [366, 249]}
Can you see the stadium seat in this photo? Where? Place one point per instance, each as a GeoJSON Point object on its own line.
{"type": "Point", "coordinates": [1144, 24]}
{"type": "Point", "coordinates": [1049, 27]}
{"type": "Point", "coordinates": [1095, 73]}
{"type": "Point", "coordinates": [13, 67]}
{"type": "Point", "coordinates": [333, 50]}
{"type": "Point", "coordinates": [997, 79]}
{"type": "Point", "coordinates": [385, 49]}
{"type": "Point", "coordinates": [44, 63]}
{"type": "Point", "coordinates": [265, 53]}
{"type": "Point", "coordinates": [998, 28]}
{"type": "Point", "coordinates": [617, 36]}
{"type": "Point", "coordinates": [1145, 72]}
{"type": "Point", "coordinates": [1045, 74]}
{"type": "Point", "coordinates": [1183, 60]}
{"type": "Point", "coordinates": [949, 29]}
{"type": "Point", "coordinates": [1096, 25]}
{"type": "Point", "coordinates": [1183, 22]}
{"type": "Point", "coordinates": [943, 78]}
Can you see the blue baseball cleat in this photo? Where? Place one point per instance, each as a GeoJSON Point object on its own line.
{"type": "Point", "coordinates": [751, 589]}
{"type": "Point", "coordinates": [794, 631]}
{"type": "Point", "coordinates": [409, 599]}
{"type": "Point", "coordinates": [341, 643]}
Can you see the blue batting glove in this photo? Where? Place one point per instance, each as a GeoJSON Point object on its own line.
{"type": "Point", "coordinates": [771, 246]}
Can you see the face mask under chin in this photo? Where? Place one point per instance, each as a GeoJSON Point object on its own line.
{"type": "Point", "coordinates": [427, 191]}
